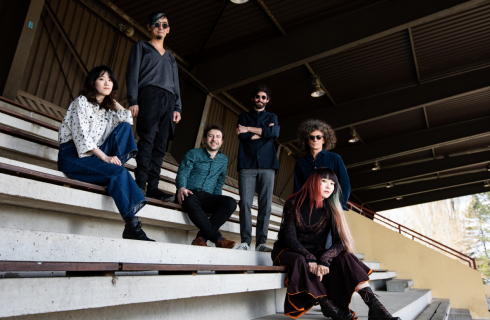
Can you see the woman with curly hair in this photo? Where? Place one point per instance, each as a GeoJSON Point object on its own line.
{"type": "Point", "coordinates": [315, 138]}
{"type": "Point", "coordinates": [96, 140]}
{"type": "Point", "coordinates": [316, 275]}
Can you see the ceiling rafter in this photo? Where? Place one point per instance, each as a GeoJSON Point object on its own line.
{"type": "Point", "coordinates": [389, 104]}
{"type": "Point", "coordinates": [416, 170]}
{"type": "Point", "coordinates": [261, 61]}
{"type": "Point", "coordinates": [429, 197]}
{"type": "Point", "coordinates": [307, 65]}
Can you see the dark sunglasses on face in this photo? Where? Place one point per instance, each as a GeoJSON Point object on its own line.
{"type": "Point", "coordinates": [317, 137]}
{"type": "Point", "coordinates": [258, 97]}
{"type": "Point", "coordinates": [158, 24]}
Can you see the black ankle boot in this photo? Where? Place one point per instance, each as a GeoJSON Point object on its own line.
{"type": "Point", "coordinates": [133, 230]}
{"type": "Point", "coordinates": [376, 310]}
{"type": "Point", "coordinates": [158, 194]}
{"type": "Point", "coordinates": [330, 310]}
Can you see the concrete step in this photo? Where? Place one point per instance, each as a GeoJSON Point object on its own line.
{"type": "Point", "coordinates": [377, 280]}
{"type": "Point", "coordinates": [28, 245]}
{"type": "Point", "coordinates": [375, 265]}
{"type": "Point", "coordinates": [33, 115]}
{"type": "Point", "coordinates": [60, 174]}
{"type": "Point", "coordinates": [459, 314]}
{"type": "Point", "coordinates": [34, 296]}
{"type": "Point", "coordinates": [49, 134]}
{"type": "Point", "coordinates": [399, 285]}
{"type": "Point", "coordinates": [406, 305]}
{"type": "Point", "coordinates": [15, 191]}
{"type": "Point", "coordinates": [438, 309]}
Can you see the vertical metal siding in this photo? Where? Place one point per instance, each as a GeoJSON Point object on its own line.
{"type": "Point", "coordinates": [219, 113]}
{"type": "Point", "coordinates": [284, 181]}
{"type": "Point", "coordinates": [52, 73]}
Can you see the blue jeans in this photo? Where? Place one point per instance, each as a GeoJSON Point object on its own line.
{"type": "Point", "coordinates": [119, 183]}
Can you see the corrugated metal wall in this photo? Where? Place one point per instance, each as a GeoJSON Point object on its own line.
{"type": "Point", "coordinates": [219, 113]}
{"type": "Point", "coordinates": [284, 182]}
{"type": "Point", "coordinates": [52, 73]}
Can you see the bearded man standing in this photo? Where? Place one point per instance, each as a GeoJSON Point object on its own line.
{"type": "Point", "coordinates": [257, 166]}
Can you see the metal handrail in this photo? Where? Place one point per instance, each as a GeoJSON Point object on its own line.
{"type": "Point", "coordinates": [414, 234]}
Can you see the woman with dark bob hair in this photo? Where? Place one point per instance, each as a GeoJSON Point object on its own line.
{"type": "Point", "coordinates": [316, 138]}
{"type": "Point", "coordinates": [96, 140]}
{"type": "Point", "coordinates": [316, 275]}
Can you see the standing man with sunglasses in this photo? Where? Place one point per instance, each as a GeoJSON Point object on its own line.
{"type": "Point", "coordinates": [154, 98]}
{"type": "Point", "coordinates": [257, 166]}
{"type": "Point", "coordinates": [315, 138]}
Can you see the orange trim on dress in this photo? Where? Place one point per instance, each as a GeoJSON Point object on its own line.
{"type": "Point", "coordinates": [348, 306]}
{"type": "Point", "coordinates": [292, 294]}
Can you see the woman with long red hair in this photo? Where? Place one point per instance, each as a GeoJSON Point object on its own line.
{"type": "Point", "coordinates": [316, 275]}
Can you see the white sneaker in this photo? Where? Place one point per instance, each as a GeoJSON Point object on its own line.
{"type": "Point", "coordinates": [244, 246]}
{"type": "Point", "coordinates": [262, 247]}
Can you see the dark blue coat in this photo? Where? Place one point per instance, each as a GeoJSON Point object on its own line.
{"type": "Point", "coordinates": [305, 166]}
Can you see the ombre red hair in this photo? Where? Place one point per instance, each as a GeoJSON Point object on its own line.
{"type": "Point", "coordinates": [311, 191]}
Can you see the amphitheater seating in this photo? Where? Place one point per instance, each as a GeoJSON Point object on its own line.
{"type": "Point", "coordinates": [62, 256]}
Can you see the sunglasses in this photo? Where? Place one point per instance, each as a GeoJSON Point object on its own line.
{"type": "Point", "coordinates": [319, 137]}
{"type": "Point", "coordinates": [258, 97]}
{"type": "Point", "coordinates": [158, 24]}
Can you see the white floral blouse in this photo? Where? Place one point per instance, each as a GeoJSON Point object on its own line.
{"type": "Point", "coordinates": [89, 126]}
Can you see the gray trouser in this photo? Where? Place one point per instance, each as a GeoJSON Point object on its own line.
{"type": "Point", "coordinates": [264, 180]}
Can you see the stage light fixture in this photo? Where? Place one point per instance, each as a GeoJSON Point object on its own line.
{"type": "Point", "coordinates": [376, 166]}
{"type": "Point", "coordinates": [318, 92]}
{"type": "Point", "coordinates": [354, 137]}
{"type": "Point", "coordinates": [389, 185]}
{"type": "Point", "coordinates": [399, 198]}
{"type": "Point", "coordinates": [487, 184]}
{"type": "Point", "coordinates": [239, 1]}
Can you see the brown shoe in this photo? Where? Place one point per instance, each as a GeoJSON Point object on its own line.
{"type": "Point", "coordinates": [199, 242]}
{"type": "Point", "coordinates": [227, 244]}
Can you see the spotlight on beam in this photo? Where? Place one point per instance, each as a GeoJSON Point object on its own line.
{"type": "Point", "coordinates": [399, 198]}
{"type": "Point", "coordinates": [487, 184]}
{"type": "Point", "coordinates": [376, 166]}
{"type": "Point", "coordinates": [354, 137]}
{"type": "Point", "coordinates": [389, 185]}
{"type": "Point", "coordinates": [488, 168]}
{"type": "Point", "coordinates": [239, 1]}
{"type": "Point", "coordinates": [318, 92]}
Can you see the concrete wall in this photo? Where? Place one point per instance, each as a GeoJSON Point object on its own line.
{"type": "Point", "coordinates": [486, 288]}
{"type": "Point", "coordinates": [446, 277]}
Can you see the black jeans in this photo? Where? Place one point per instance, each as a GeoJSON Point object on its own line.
{"type": "Point", "coordinates": [220, 207]}
{"type": "Point", "coordinates": [154, 126]}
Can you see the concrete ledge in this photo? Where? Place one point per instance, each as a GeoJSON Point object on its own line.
{"type": "Point", "coordinates": [382, 275]}
{"type": "Point", "coordinates": [40, 195]}
{"type": "Point", "coordinates": [26, 245]}
{"type": "Point", "coordinates": [274, 220]}
{"type": "Point", "coordinates": [43, 295]}
{"type": "Point", "coordinates": [399, 285]}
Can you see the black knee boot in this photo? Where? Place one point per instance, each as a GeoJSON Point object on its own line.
{"type": "Point", "coordinates": [330, 310]}
{"type": "Point", "coordinates": [133, 230]}
{"type": "Point", "coordinates": [376, 310]}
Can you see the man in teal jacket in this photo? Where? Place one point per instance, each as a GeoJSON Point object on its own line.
{"type": "Point", "coordinates": [199, 182]}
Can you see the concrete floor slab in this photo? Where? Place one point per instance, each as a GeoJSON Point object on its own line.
{"type": "Point", "coordinates": [406, 305]}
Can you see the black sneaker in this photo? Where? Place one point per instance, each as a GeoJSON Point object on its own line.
{"type": "Point", "coordinates": [132, 230]}
{"type": "Point", "coordinates": [159, 195]}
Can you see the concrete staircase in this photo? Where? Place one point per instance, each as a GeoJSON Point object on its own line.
{"type": "Point", "coordinates": [44, 221]}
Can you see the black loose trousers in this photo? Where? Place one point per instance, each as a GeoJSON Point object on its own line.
{"type": "Point", "coordinates": [154, 127]}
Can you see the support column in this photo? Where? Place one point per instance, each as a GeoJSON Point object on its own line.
{"type": "Point", "coordinates": [18, 23]}
{"type": "Point", "coordinates": [203, 121]}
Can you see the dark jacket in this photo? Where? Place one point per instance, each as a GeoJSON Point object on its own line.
{"type": "Point", "coordinates": [260, 153]}
{"type": "Point", "coordinates": [305, 166]}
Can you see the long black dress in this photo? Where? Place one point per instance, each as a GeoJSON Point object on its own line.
{"type": "Point", "coordinates": [302, 240]}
